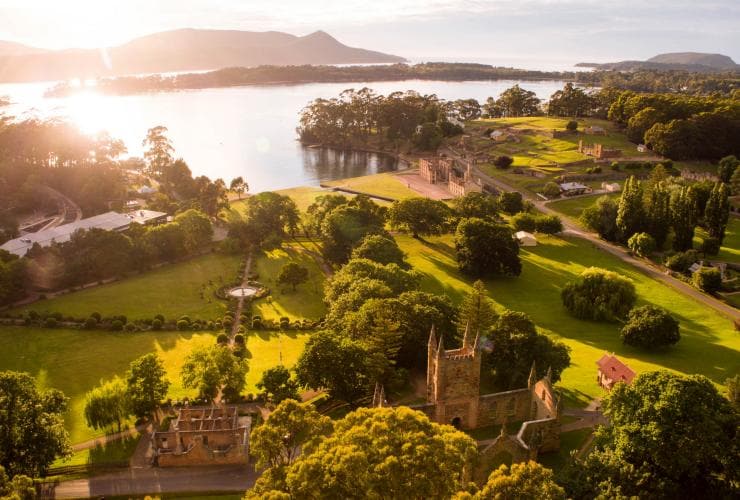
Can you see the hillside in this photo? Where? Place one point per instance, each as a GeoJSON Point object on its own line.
{"type": "Point", "coordinates": [181, 50]}
{"type": "Point", "coordinates": [688, 61]}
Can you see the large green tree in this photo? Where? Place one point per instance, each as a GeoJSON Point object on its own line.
{"type": "Point", "coordinates": [522, 481]}
{"type": "Point", "coordinates": [213, 369]}
{"type": "Point", "coordinates": [277, 385]}
{"type": "Point", "coordinates": [727, 167]}
{"type": "Point", "coordinates": [657, 213]}
{"type": "Point", "coordinates": [158, 153]}
{"type": "Point", "coordinates": [650, 327]}
{"type": "Point", "coordinates": [684, 214]}
{"type": "Point", "coordinates": [485, 249]}
{"type": "Point", "coordinates": [32, 433]}
{"type": "Point", "coordinates": [570, 101]}
{"type": "Point", "coordinates": [599, 295]}
{"type": "Point", "coordinates": [381, 249]}
{"type": "Point", "coordinates": [516, 101]}
{"type": "Point", "coordinates": [419, 216]}
{"type": "Point", "coordinates": [384, 453]}
{"type": "Point", "coordinates": [630, 211]}
{"type": "Point", "coordinates": [292, 274]}
{"type": "Point", "coordinates": [717, 211]}
{"type": "Point", "coordinates": [107, 404]}
{"type": "Point", "coordinates": [670, 436]}
{"type": "Point", "coordinates": [517, 345]}
{"type": "Point", "coordinates": [602, 218]}
{"type": "Point", "coordinates": [147, 384]}
{"type": "Point", "coordinates": [477, 312]}
{"type": "Point", "coordinates": [481, 205]}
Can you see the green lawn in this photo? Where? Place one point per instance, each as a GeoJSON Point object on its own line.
{"type": "Point", "coordinates": [306, 302]}
{"type": "Point", "coordinates": [172, 290]}
{"type": "Point", "coordinates": [572, 207]}
{"type": "Point", "coordinates": [389, 185]}
{"type": "Point", "coordinates": [730, 250]}
{"type": "Point", "coordinates": [709, 344]}
{"type": "Point", "coordinates": [74, 361]}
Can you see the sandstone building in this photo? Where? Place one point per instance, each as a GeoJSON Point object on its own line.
{"type": "Point", "coordinates": [203, 436]}
{"type": "Point", "coordinates": [443, 170]}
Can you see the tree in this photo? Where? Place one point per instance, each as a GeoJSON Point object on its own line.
{"type": "Point", "coordinates": [571, 126]}
{"type": "Point", "coordinates": [521, 481]}
{"type": "Point", "coordinates": [397, 280]}
{"type": "Point", "coordinates": [477, 311]}
{"type": "Point", "coordinates": [107, 404]}
{"type": "Point", "coordinates": [32, 433]}
{"type": "Point", "coordinates": [650, 327]}
{"type": "Point", "coordinates": [548, 224]}
{"type": "Point", "coordinates": [571, 101]}
{"type": "Point", "coordinates": [269, 218]}
{"type": "Point", "coordinates": [602, 218]}
{"type": "Point", "coordinates": [717, 211]}
{"type": "Point", "coordinates": [671, 436]}
{"type": "Point", "coordinates": [683, 218]}
{"type": "Point", "coordinates": [147, 384]}
{"type": "Point", "coordinates": [420, 216]}
{"type": "Point", "coordinates": [277, 385]}
{"type": "Point", "coordinates": [20, 487]}
{"type": "Point", "coordinates": [523, 221]}
{"type": "Point", "coordinates": [511, 202]}
{"type": "Point", "coordinates": [486, 249]}
{"type": "Point", "coordinates": [344, 226]}
{"type": "Point", "coordinates": [599, 295]}
{"type": "Point", "coordinates": [292, 274]}
{"type": "Point", "coordinates": [707, 279]}
{"type": "Point", "coordinates": [429, 137]}
{"type": "Point", "coordinates": [239, 185]}
{"type": "Point", "coordinates": [473, 204]}
{"type": "Point", "coordinates": [339, 365]}
{"type": "Point", "coordinates": [503, 162]}
{"type": "Point", "coordinates": [517, 345]}
{"type": "Point", "coordinates": [735, 182]}
{"type": "Point", "coordinates": [196, 229]}
{"type": "Point", "coordinates": [658, 212]}
{"type": "Point", "coordinates": [709, 246]}
{"type": "Point", "coordinates": [733, 391]}
{"type": "Point", "coordinates": [291, 428]}
{"type": "Point", "coordinates": [630, 211]}
{"type": "Point", "coordinates": [384, 452]}
{"type": "Point", "coordinates": [551, 190]}
{"type": "Point", "coordinates": [381, 249]}
{"type": "Point", "coordinates": [12, 277]}
{"type": "Point", "coordinates": [213, 369]}
{"type": "Point", "coordinates": [641, 244]}
{"type": "Point", "coordinates": [516, 101]}
{"type": "Point", "coordinates": [158, 154]}
{"type": "Point", "coordinates": [727, 167]}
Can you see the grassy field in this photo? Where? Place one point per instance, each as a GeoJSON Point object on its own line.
{"type": "Point", "coordinates": [74, 361]}
{"type": "Point", "coordinates": [305, 302]}
{"type": "Point", "coordinates": [386, 184]}
{"type": "Point", "coordinates": [709, 344]}
{"type": "Point", "coordinates": [192, 283]}
{"type": "Point", "coordinates": [730, 250]}
{"type": "Point", "coordinates": [572, 207]}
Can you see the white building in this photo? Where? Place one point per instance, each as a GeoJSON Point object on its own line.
{"type": "Point", "coordinates": [526, 239]}
{"type": "Point", "coordinates": [611, 187]}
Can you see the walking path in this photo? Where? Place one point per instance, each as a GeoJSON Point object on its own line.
{"type": "Point", "coordinates": [240, 303]}
{"type": "Point", "coordinates": [619, 252]}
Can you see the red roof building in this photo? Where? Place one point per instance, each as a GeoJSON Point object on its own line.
{"type": "Point", "coordinates": [611, 371]}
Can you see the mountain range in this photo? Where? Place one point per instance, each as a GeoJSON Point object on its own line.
{"type": "Point", "coordinates": [181, 50]}
{"type": "Point", "coordinates": [689, 61]}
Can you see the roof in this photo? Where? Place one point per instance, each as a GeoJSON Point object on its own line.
{"type": "Point", "coordinates": [610, 366]}
{"type": "Point", "coordinates": [145, 216]}
{"type": "Point", "coordinates": [523, 234]}
{"type": "Point", "coordinates": [567, 186]}
{"type": "Point", "coordinates": [109, 221]}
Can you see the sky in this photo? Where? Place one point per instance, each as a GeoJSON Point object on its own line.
{"type": "Point", "coordinates": [492, 31]}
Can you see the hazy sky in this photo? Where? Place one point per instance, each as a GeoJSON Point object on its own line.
{"type": "Point", "coordinates": [490, 31]}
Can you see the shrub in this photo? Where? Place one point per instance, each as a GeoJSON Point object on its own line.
{"type": "Point", "coordinates": [523, 222]}
{"type": "Point", "coordinates": [222, 339]}
{"type": "Point", "coordinates": [116, 325]}
{"type": "Point", "coordinates": [650, 327]}
{"type": "Point", "coordinates": [185, 318]}
{"type": "Point", "coordinates": [239, 339]}
{"type": "Point", "coordinates": [707, 279]}
{"type": "Point", "coordinates": [615, 166]}
{"type": "Point", "coordinates": [50, 322]}
{"type": "Point", "coordinates": [548, 224]}
{"type": "Point", "coordinates": [90, 323]}
{"type": "Point", "coordinates": [641, 244]}
{"type": "Point", "coordinates": [156, 324]}
{"type": "Point", "coordinates": [599, 295]}
{"type": "Point", "coordinates": [159, 317]}
{"type": "Point", "coordinates": [571, 126]}
{"type": "Point", "coordinates": [130, 327]}
{"type": "Point", "coordinates": [256, 323]}
{"type": "Point", "coordinates": [284, 323]}
{"type": "Point", "coordinates": [227, 322]}
{"type": "Point", "coordinates": [183, 325]}
{"type": "Point", "coordinates": [709, 246]}
{"type": "Point", "coordinates": [551, 190]}
{"type": "Point", "coordinates": [681, 261]}
{"type": "Point", "coordinates": [503, 162]}
{"type": "Point", "coordinates": [97, 316]}
{"type": "Point", "coordinates": [511, 202]}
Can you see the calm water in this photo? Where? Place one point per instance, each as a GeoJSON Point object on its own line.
{"type": "Point", "coordinates": [247, 131]}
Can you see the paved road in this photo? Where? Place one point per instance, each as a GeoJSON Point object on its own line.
{"type": "Point", "coordinates": [619, 252]}
{"type": "Point", "coordinates": [153, 480]}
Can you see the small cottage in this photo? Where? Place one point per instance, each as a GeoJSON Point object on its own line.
{"type": "Point", "coordinates": [526, 239]}
{"type": "Point", "coordinates": [611, 371]}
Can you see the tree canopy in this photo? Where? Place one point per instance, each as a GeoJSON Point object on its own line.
{"type": "Point", "coordinates": [213, 369]}
{"type": "Point", "coordinates": [650, 327]}
{"type": "Point", "coordinates": [147, 384]}
{"type": "Point", "coordinates": [485, 249]}
{"type": "Point", "coordinates": [599, 295]}
{"type": "Point", "coordinates": [419, 216]}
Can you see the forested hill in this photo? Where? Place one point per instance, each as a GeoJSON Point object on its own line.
{"type": "Point", "coordinates": [181, 50]}
{"type": "Point", "coordinates": [687, 61]}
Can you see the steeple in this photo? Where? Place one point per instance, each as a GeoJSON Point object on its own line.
{"type": "Point", "coordinates": [532, 376]}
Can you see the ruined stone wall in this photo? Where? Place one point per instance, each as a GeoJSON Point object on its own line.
{"type": "Point", "coordinates": [200, 454]}
{"type": "Point", "coordinates": [544, 434]}
{"type": "Point", "coordinates": [510, 406]}
{"type": "Point", "coordinates": [545, 400]}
